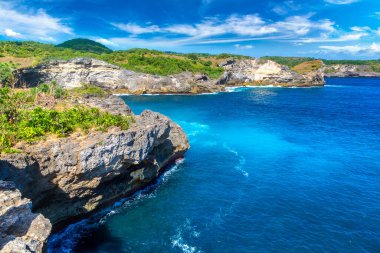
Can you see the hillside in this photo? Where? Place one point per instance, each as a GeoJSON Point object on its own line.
{"type": "Point", "coordinates": [85, 45]}
{"type": "Point", "coordinates": [27, 54]}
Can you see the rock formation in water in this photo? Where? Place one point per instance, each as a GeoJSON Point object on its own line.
{"type": "Point", "coordinates": [67, 178]}
{"type": "Point", "coordinates": [266, 72]}
{"type": "Point", "coordinates": [21, 231]}
{"type": "Point", "coordinates": [74, 73]}
{"type": "Point", "coordinates": [347, 70]}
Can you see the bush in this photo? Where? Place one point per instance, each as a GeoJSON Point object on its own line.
{"type": "Point", "coordinates": [21, 121]}
{"type": "Point", "coordinates": [6, 73]}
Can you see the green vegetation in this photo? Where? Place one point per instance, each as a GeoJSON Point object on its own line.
{"type": "Point", "coordinates": [6, 70]}
{"type": "Point", "coordinates": [85, 45]}
{"type": "Point", "coordinates": [291, 62]}
{"type": "Point", "coordinates": [22, 119]}
{"type": "Point", "coordinates": [142, 60]}
{"type": "Point", "coordinates": [88, 90]}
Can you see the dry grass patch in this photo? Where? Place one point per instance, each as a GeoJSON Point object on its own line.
{"type": "Point", "coordinates": [308, 66]}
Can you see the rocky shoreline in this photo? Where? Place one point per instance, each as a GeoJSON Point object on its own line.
{"type": "Point", "coordinates": [67, 178]}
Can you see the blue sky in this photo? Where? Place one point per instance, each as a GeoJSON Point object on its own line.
{"type": "Point", "coordinates": [333, 29]}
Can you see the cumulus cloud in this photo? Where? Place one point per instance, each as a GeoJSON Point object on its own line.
{"type": "Point", "coordinates": [341, 1]}
{"type": "Point", "coordinates": [12, 34]}
{"type": "Point", "coordinates": [30, 24]}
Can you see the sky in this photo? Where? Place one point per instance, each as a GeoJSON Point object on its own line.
{"type": "Point", "coordinates": [329, 29]}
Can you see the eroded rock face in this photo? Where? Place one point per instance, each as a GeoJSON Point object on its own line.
{"type": "Point", "coordinates": [21, 231]}
{"type": "Point", "coordinates": [346, 70]}
{"type": "Point", "coordinates": [72, 73]}
{"type": "Point", "coordinates": [256, 72]}
{"type": "Point", "coordinates": [72, 176]}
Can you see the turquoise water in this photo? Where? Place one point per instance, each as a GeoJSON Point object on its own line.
{"type": "Point", "coordinates": [269, 170]}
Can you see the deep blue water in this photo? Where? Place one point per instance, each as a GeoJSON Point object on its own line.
{"type": "Point", "coordinates": [269, 170]}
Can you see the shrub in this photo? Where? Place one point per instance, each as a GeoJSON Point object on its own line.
{"type": "Point", "coordinates": [21, 121]}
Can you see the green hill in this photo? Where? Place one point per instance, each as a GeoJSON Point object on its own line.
{"type": "Point", "coordinates": [85, 45]}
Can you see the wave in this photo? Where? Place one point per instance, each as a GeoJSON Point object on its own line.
{"type": "Point", "coordinates": [65, 241]}
{"type": "Point", "coordinates": [194, 128]}
{"type": "Point", "coordinates": [178, 240]}
{"type": "Point", "coordinates": [334, 85]}
{"type": "Point", "coordinates": [240, 166]}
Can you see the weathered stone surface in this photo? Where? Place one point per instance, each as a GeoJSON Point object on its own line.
{"type": "Point", "coordinates": [347, 70]}
{"type": "Point", "coordinates": [112, 104]}
{"type": "Point", "coordinates": [72, 176]}
{"type": "Point", "coordinates": [73, 73]}
{"type": "Point", "coordinates": [21, 231]}
{"type": "Point", "coordinates": [266, 72]}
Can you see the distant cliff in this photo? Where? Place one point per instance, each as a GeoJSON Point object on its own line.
{"type": "Point", "coordinates": [75, 72]}
{"type": "Point", "coordinates": [266, 72]}
{"type": "Point", "coordinates": [349, 70]}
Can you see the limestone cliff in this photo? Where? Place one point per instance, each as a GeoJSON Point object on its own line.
{"type": "Point", "coordinates": [21, 230]}
{"type": "Point", "coordinates": [67, 178]}
{"type": "Point", "coordinates": [347, 70]}
{"type": "Point", "coordinates": [266, 72]}
{"type": "Point", "coordinates": [73, 73]}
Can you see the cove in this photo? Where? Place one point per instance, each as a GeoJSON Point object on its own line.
{"type": "Point", "coordinates": [269, 170]}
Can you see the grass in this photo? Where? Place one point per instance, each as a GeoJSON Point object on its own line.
{"type": "Point", "coordinates": [23, 119]}
{"type": "Point", "coordinates": [308, 66]}
{"type": "Point", "coordinates": [142, 60]}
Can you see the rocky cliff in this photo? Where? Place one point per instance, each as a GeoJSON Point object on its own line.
{"type": "Point", "coordinates": [67, 178]}
{"type": "Point", "coordinates": [73, 73]}
{"type": "Point", "coordinates": [21, 231]}
{"type": "Point", "coordinates": [266, 72]}
{"type": "Point", "coordinates": [347, 70]}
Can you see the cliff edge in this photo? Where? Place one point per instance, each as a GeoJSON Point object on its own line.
{"type": "Point", "coordinates": [68, 178]}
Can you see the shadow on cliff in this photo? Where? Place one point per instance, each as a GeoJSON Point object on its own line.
{"type": "Point", "coordinates": [25, 173]}
{"type": "Point", "coordinates": [12, 227]}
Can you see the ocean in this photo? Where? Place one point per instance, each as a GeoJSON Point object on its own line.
{"type": "Point", "coordinates": [269, 170]}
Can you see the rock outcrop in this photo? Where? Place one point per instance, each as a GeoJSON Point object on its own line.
{"type": "Point", "coordinates": [347, 70]}
{"type": "Point", "coordinates": [68, 178]}
{"type": "Point", "coordinates": [266, 72]}
{"type": "Point", "coordinates": [21, 230]}
{"type": "Point", "coordinates": [72, 73]}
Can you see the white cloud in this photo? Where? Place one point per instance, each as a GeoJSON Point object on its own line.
{"type": "Point", "coordinates": [136, 29]}
{"type": "Point", "coordinates": [12, 34]}
{"type": "Point", "coordinates": [106, 42]}
{"type": "Point", "coordinates": [285, 7]}
{"type": "Point", "coordinates": [34, 25]}
{"type": "Point", "coordinates": [238, 46]}
{"type": "Point", "coordinates": [340, 38]}
{"type": "Point", "coordinates": [360, 28]}
{"type": "Point", "coordinates": [237, 25]}
{"type": "Point", "coordinates": [353, 49]}
{"type": "Point", "coordinates": [378, 31]}
{"type": "Point", "coordinates": [341, 1]}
